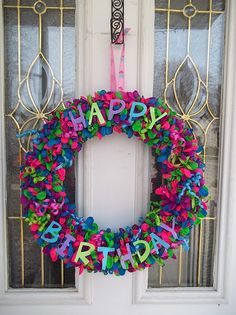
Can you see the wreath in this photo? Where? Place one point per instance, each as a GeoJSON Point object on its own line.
{"type": "Point", "coordinates": [79, 241]}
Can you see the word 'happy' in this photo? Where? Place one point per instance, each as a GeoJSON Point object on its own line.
{"type": "Point", "coordinates": [113, 110]}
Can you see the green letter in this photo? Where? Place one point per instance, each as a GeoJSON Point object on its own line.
{"type": "Point", "coordinates": [144, 256]}
{"type": "Point", "coordinates": [153, 117]}
{"type": "Point", "coordinates": [95, 111]}
{"type": "Point", "coordinates": [82, 255]}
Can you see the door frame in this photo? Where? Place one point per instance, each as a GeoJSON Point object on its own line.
{"type": "Point", "coordinates": [226, 251]}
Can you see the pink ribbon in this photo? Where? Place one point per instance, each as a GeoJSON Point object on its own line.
{"type": "Point", "coordinates": [121, 77]}
{"type": "Point", "coordinates": [54, 207]}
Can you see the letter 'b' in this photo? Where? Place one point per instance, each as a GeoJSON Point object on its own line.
{"type": "Point", "coordinates": [53, 229]}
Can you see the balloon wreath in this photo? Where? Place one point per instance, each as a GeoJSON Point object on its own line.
{"type": "Point", "coordinates": [78, 241]}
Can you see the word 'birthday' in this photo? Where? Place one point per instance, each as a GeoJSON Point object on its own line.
{"type": "Point", "coordinates": [85, 249]}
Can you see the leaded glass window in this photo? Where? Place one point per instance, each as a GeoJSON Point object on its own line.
{"type": "Point", "coordinates": [189, 48]}
{"type": "Point", "coordinates": [39, 46]}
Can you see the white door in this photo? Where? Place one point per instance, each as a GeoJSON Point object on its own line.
{"type": "Point", "coordinates": [173, 47]}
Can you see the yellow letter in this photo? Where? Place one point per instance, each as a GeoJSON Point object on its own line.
{"type": "Point", "coordinates": [82, 255]}
{"type": "Point", "coordinates": [144, 256]}
{"type": "Point", "coordinates": [153, 117]}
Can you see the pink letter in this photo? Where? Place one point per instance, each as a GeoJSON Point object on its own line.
{"type": "Point", "coordinates": [127, 257]}
{"type": "Point", "coordinates": [79, 120]}
{"type": "Point", "coordinates": [172, 230]}
{"type": "Point", "coordinates": [61, 249]}
{"type": "Point", "coordinates": [112, 112]}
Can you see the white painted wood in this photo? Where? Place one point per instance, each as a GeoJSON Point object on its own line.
{"type": "Point", "coordinates": [146, 47]}
{"type": "Point", "coordinates": [3, 249]}
{"type": "Point", "coordinates": [96, 170]}
{"type": "Point", "coordinates": [115, 186]}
